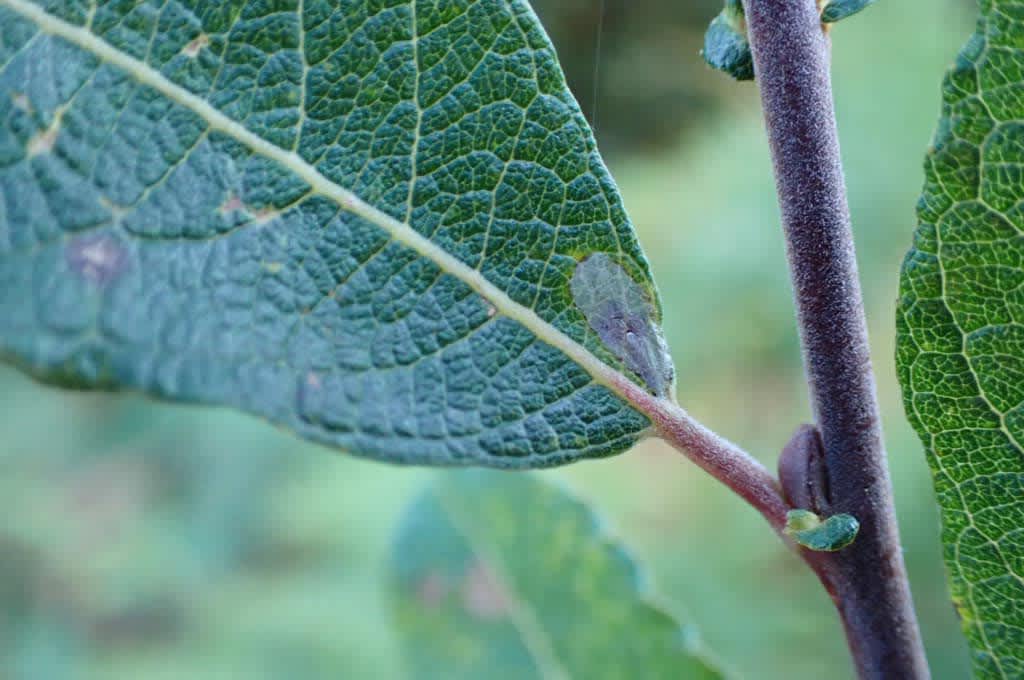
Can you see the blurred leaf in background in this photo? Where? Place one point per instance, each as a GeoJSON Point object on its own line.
{"type": "Point", "coordinates": [500, 575]}
{"type": "Point", "coordinates": [141, 540]}
{"type": "Point", "coordinates": [650, 81]}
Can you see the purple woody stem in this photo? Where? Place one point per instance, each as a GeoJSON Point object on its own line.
{"type": "Point", "coordinates": [868, 579]}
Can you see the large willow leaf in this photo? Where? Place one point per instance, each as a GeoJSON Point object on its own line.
{"type": "Point", "coordinates": [357, 218]}
{"type": "Point", "coordinates": [499, 575]}
{"type": "Point", "coordinates": [961, 334]}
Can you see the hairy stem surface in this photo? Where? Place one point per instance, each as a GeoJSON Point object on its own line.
{"type": "Point", "coordinates": [722, 459]}
{"type": "Point", "coordinates": [867, 580]}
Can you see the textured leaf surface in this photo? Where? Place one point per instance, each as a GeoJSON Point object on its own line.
{"type": "Point", "coordinates": [499, 575]}
{"type": "Point", "coordinates": [356, 219]}
{"type": "Point", "coordinates": [961, 334]}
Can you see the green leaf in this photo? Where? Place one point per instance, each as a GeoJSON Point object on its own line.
{"type": "Point", "coordinates": [726, 47]}
{"type": "Point", "coordinates": [838, 10]}
{"type": "Point", "coordinates": [498, 575]}
{"type": "Point", "coordinates": [358, 220]}
{"type": "Point", "coordinates": [833, 534]}
{"type": "Point", "coordinates": [960, 349]}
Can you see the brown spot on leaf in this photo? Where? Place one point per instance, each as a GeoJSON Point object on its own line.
{"type": "Point", "coordinates": [44, 141]}
{"type": "Point", "coordinates": [622, 314]}
{"type": "Point", "coordinates": [265, 215]}
{"type": "Point", "coordinates": [483, 595]}
{"type": "Point", "coordinates": [192, 49]}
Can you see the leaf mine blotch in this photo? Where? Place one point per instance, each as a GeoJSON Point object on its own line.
{"type": "Point", "coordinates": [622, 315]}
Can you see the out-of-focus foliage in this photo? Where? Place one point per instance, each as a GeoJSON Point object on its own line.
{"type": "Point", "coordinates": [146, 541]}
{"type": "Point", "coordinates": [726, 46]}
{"type": "Point", "coordinates": [650, 87]}
{"type": "Point", "coordinates": [499, 575]}
{"type": "Point", "coordinates": [961, 344]}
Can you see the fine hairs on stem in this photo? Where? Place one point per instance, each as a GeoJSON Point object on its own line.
{"type": "Point", "coordinates": [868, 579]}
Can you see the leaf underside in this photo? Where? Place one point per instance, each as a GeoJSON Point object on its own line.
{"type": "Point", "coordinates": [498, 575]}
{"type": "Point", "coordinates": [960, 345]}
{"type": "Point", "coordinates": [170, 220]}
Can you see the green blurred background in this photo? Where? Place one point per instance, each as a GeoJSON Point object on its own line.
{"type": "Point", "coordinates": [141, 540]}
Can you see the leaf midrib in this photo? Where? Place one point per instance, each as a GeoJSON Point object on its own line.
{"type": "Point", "coordinates": [399, 231]}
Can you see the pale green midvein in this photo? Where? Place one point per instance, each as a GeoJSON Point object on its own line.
{"type": "Point", "coordinates": [400, 232]}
